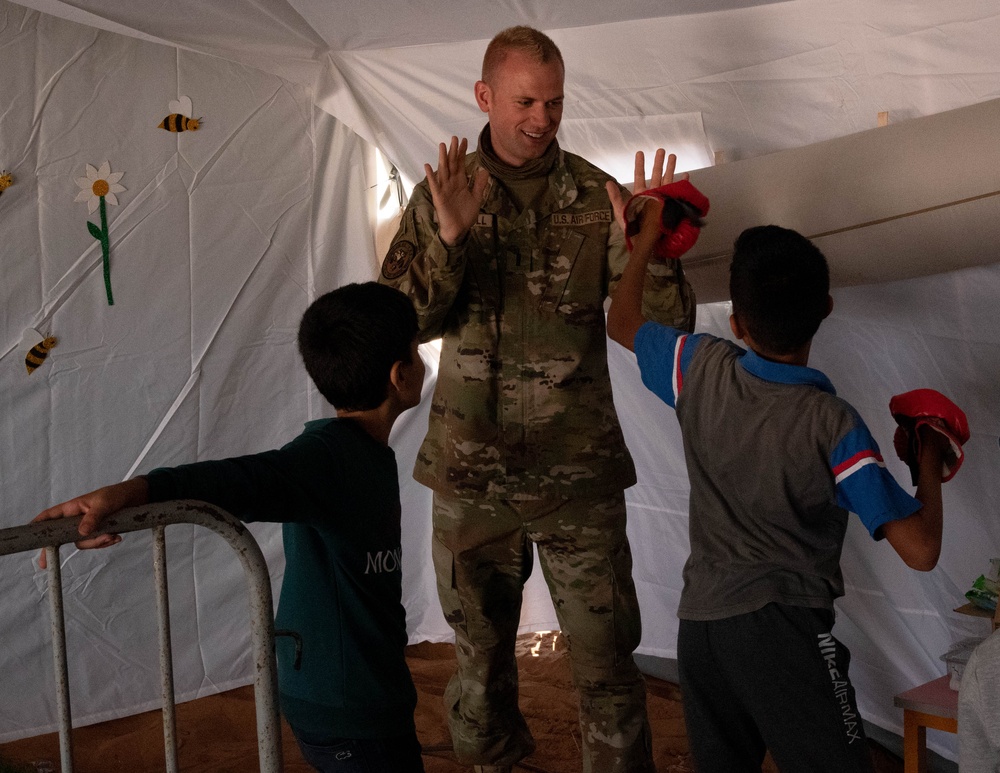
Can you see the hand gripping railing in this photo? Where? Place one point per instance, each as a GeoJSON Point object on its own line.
{"type": "Point", "coordinates": [49, 535]}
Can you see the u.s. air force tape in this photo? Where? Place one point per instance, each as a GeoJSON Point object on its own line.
{"type": "Point", "coordinates": [399, 259]}
{"type": "Point", "coordinates": [581, 218]}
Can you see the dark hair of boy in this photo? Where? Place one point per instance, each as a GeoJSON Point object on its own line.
{"type": "Point", "coordinates": [350, 338]}
{"type": "Point", "coordinates": [779, 284]}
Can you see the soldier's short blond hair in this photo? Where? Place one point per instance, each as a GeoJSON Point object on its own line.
{"type": "Point", "coordinates": [526, 39]}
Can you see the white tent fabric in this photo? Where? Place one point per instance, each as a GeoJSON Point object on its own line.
{"type": "Point", "coordinates": [224, 235]}
{"type": "Point", "coordinates": [219, 242]}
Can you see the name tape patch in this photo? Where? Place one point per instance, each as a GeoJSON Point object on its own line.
{"type": "Point", "coordinates": [581, 218]}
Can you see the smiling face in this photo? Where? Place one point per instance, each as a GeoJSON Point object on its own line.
{"type": "Point", "coordinates": [524, 100]}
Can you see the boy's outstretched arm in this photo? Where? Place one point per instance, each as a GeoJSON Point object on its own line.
{"type": "Point", "coordinates": [625, 315]}
{"type": "Point", "coordinates": [96, 506]}
{"type": "Point", "coordinates": [917, 538]}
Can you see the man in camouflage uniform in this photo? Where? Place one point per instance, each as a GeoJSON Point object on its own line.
{"type": "Point", "coordinates": [508, 255]}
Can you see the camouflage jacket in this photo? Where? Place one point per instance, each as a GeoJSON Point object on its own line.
{"type": "Point", "coordinates": [523, 403]}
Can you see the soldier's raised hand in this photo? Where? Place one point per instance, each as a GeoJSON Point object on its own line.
{"type": "Point", "coordinates": [660, 174]}
{"type": "Point", "coordinates": [455, 201]}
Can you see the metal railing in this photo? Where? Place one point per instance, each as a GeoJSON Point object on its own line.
{"type": "Point", "coordinates": [49, 535]}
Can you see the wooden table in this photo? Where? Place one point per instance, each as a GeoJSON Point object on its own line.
{"type": "Point", "coordinates": [933, 705]}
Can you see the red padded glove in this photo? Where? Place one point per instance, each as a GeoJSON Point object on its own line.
{"type": "Point", "coordinates": [684, 206]}
{"type": "Point", "coordinates": [912, 410]}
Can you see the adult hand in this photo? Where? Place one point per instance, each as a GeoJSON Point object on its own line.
{"type": "Point", "coordinates": [95, 507]}
{"type": "Point", "coordinates": [660, 174]}
{"type": "Point", "coordinates": [455, 201]}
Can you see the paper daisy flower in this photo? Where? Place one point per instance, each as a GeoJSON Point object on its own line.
{"type": "Point", "coordinates": [99, 184]}
{"type": "Point", "coordinates": [98, 189]}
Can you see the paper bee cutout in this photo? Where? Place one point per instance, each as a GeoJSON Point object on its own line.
{"type": "Point", "coordinates": [180, 119]}
{"type": "Point", "coordinates": [39, 351]}
{"type": "Point", "coordinates": [6, 180]}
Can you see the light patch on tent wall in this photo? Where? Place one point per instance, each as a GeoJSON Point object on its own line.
{"type": "Point", "coordinates": [390, 199]}
{"type": "Point", "coordinates": [6, 180]}
{"type": "Point", "coordinates": [98, 189]}
{"type": "Point", "coordinates": [179, 119]}
{"type": "Point", "coordinates": [38, 347]}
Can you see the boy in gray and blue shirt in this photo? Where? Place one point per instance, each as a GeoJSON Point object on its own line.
{"type": "Point", "coordinates": [777, 462]}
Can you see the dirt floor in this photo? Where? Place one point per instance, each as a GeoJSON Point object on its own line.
{"type": "Point", "coordinates": [216, 734]}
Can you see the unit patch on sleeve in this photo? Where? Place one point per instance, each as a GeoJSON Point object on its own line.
{"type": "Point", "coordinates": [399, 259]}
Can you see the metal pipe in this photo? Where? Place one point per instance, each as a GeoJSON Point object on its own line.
{"type": "Point", "coordinates": [61, 669]}
{"type": "Point", "coordinates": [166, 651]}
{"type": "Point", "coordinates": [44, 534]}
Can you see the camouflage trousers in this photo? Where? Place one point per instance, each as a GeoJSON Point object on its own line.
{"type": "Point", "coordinates": [483, 555]}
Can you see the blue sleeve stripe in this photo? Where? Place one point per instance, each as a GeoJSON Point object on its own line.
{"type": "Point", "coordinates": [655, 347]}
{"type": "Point", "coordinates": [846, 469]}
{"type": "Point", "coordinates": [664, 355]}
{"type": "Point", "coordinates": [864, 485]}
{"type": "Point", "coordinates": [854, 445]}
{"type": "Point", "coordinates": [679, 366]}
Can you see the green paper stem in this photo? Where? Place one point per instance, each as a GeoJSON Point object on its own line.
{"type": "Point", "coordinates": [106, 249]}
{"type": "Point", "coordinates": [101, 234]}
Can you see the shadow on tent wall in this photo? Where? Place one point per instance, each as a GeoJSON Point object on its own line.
{"type": "Point", "coordinates": [49, 535]}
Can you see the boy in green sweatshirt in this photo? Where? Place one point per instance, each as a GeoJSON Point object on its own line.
{"type": "Point", "coordinates": [335, 490]}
